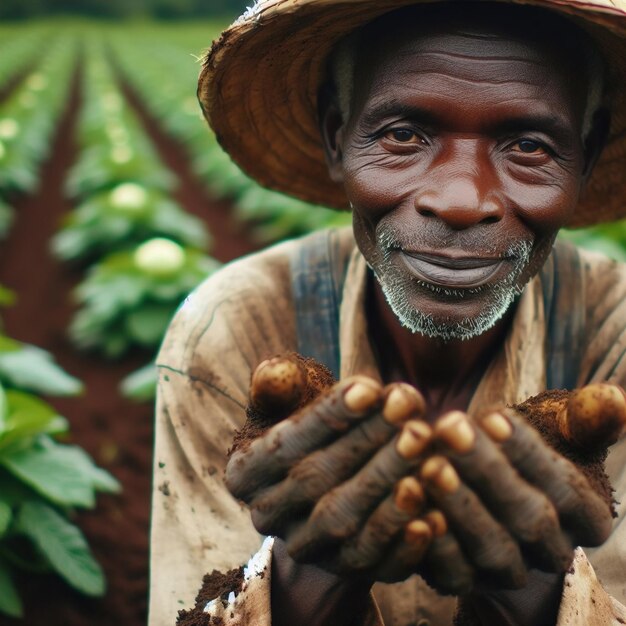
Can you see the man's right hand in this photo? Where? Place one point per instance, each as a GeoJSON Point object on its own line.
{"type": "Point", "coordinates": [335, 480]}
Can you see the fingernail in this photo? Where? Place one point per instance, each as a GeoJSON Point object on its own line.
{"type": "Point", "coordinates": [417, 531]}
{"type": "Point", "coordinates": [409, 495]}
{"type": "Point", "coordinates": [403, 402]}
{"type": "Point", "coordinates": [438, 472]}
{"type": "Point", "coordinates": [456, 431]}
{"type": "Point", "coordinates": [413, 439]}
{"type": "Point", "coordinates": [437, 522]}
{"type": "Point", "coordinates": [497, 426]}
{"type": "Point", "coordinates": [360, 396]}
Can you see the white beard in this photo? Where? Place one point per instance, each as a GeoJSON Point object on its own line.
{"type": "Point", "coordinates": [397, 286]}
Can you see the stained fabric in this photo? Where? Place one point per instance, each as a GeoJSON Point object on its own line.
{"type": "Point", "coordinates": [244, 314]}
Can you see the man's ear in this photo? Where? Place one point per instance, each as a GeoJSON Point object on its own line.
{"type": "Point", "coordinates": [332, 131]}
{"type": "Point", "coordinates": [596, 140]}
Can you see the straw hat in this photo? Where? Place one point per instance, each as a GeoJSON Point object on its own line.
{"type": "Point", "coordinates": [259, 82]}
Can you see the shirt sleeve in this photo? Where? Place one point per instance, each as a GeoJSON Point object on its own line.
{"type": "Point", "coordinates": [584, 600]}
{"type": "Point", "coordinates": [237, 318]}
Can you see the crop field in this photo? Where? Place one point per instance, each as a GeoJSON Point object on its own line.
{"type": "Point", "coordinates": [115, 202]}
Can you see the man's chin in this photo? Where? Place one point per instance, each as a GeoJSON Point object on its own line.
{"type": "Point", "coordinates": [449, 316]}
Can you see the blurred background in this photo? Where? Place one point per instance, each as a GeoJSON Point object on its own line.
{"type": "Point", "coordinates": [115, 201]}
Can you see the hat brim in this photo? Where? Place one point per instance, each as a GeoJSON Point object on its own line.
{"type": "Point", "coordinates": [259, 83]}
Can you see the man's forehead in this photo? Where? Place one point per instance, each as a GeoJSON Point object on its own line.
{"type": "Point", "coordinates": [468, 35]}
{"type": "Point", "coordinates": [496, 42]}
{"type": "Point", "coordinates": [464, 47]}
{"type": "Point", "coordinates": [527, 31]}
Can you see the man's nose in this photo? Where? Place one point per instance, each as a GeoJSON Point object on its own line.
{"type": "Point", "coordinates": [461, 196]}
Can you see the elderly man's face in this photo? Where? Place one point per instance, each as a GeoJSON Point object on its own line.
{"type": "Point", "coordinates": [462, 158]}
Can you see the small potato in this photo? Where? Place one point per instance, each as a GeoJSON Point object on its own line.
{"type": "Point", "coordinates": [595, 415]}
{"type": "Point", "coordinates": [285, 383]}
{"type": "Point", "coordinates": [278, 384]}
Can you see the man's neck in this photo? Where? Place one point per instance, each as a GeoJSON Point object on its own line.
{"type": "Point", "coordinates": [446, 372]}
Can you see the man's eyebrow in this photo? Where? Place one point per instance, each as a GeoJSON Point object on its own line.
{"type": "Point", "coordinates": [547, 123]}
{"type": "Point", "coordinates": [394, 108]}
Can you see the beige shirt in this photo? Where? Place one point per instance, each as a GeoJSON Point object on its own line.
{"type": "Point", "coordinates": [244, 314]}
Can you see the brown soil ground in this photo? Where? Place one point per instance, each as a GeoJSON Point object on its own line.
{"type": "Point", "coordinates": [116, 432]}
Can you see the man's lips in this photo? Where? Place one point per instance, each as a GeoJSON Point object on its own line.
{"type": "Point", "coordinates": [454, 272]}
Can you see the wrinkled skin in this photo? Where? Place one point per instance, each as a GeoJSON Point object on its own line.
{"type": "Point", "coordinates": [461, 142]}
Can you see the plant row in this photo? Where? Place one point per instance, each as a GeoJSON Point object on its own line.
{"type": "Point", "coordinates": [19, 50]}
{"type": "Point", "coordinates": [28, 119]}
{"type": "Point", "coordinates": [165, 76]}
{"type": "Point", "coordinates": [142, 253]}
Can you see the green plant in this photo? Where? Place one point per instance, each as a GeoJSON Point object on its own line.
{"type": "Point", "coordinates": [140, 385]}
{"type": "Point", "coordinates": [29, 116]}
{"type": "Point", "coordinates": [114, 146]}
{"type": "Point", "coordinates": [122, 217]}
{"type": "Point", "coordinates": [25, 366]}
{"type": "Point", "coordinates": [20, 47]}
{"type": "Point", "coordinates": [41, 479]}
{"type": "Point", "coordinates": [6, 218]}
{"type": "Point", "coordinates": [129, 297]}
{"type": "Point", "coordinates": [609, 239]}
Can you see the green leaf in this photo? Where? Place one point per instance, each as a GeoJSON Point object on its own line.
{"type": "Point", "coordinates": [148, 324]}
{"type": "Point", "coordinates": [50, 470]}
{"type": "Point", "coordinates": [6, 514]}
{"type": "Point", "coordinates": [63, 545]}
{"type": "Point", "coordinates": [34, 369]}
{"type": "Point", "coordinates": [10, 602]}
{"type": "Point", "coordinates": [100, 479]}
{"type": "Point", "coordinates": [140, 385]}
{"type": "Point", "coordinates": [3, 409]}
{"type": "Point", "coordinates": [7, 297]}
{"type": "Point", "coordinates": [13, 491]}
{"type": "Point", "coordinates": [9, 345]}
{"type": "Point", "coordinates": [27, 415]}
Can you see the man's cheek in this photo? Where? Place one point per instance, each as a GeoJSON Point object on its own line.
{"type": "Point", "coordinates": [373, 187]}
{"type": "Point", "coordinates": [545, 208]}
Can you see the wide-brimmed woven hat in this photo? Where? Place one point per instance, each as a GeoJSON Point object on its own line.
{"type": "Point", "coordinates": [259, 83]}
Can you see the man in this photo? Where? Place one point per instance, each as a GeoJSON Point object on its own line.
{"type": "Point", "coordinates": [463, 137]}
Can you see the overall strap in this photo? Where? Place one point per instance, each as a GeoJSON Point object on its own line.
{"type": "Point", "coordinates": [562, 283]}
{"type": "Point", "coordinates": [317, 277]}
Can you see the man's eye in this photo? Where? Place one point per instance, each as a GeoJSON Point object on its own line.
{"type": "Point", "coordinates": [403, 135]}
{"type": "Point", "coordinates": [528, 146]}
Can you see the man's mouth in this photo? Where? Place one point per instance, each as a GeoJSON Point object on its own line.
{"type": "Point", "coordinates": [451, 271]}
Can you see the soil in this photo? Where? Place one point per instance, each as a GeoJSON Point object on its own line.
{"type": "Point", "coordinates": [540, 411]}
{"type": "Point", "coordinates": [214, 585]}
{"type": "Point", "coordinates": [116, 432]}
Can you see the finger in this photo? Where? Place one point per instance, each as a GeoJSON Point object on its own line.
{"type": "Point", "coordinates": [487, 544]}
{"type": "Point", "coordinates": [403, 402]}
{"type": "Point", "coordinates": [445, 567]}
{"type": "Point", "coordinates": [322, 470]}
{"type": "Point", "coordinates": [389, 518]}
{"type": "Point", "coordinates": [342, 512]}
{"type": "Point", "coordinates": [486, 469]}
{"type": "Point", "coordinates": [267, 458]}
{"type": "Point", "coordinates": [582, 511]}
{"type": "Point", "coordinates": [406, 553]}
